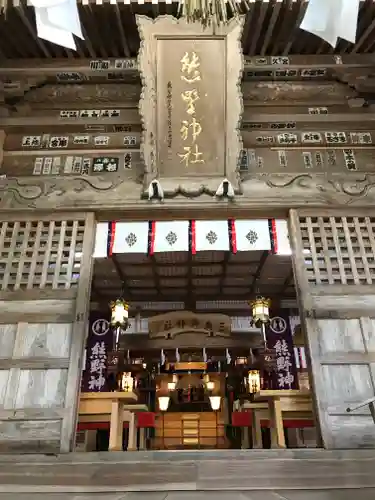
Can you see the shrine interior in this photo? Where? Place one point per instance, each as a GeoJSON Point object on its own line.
{"type": "Point", "coordinates": [191, 352]}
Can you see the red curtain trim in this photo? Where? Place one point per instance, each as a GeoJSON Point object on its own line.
{"type": "Point", "coordinates": [291, 424]}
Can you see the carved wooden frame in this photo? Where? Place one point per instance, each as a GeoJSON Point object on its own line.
{"type": "Point", "coordinates": [169, 26]}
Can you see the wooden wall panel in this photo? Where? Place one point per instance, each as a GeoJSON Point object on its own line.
{"type": "Point", "coordinates": [7, 338]}
{"type": "Point", "coordinates": [41, 389]}
{"type": "Point", "coordinates": [44, 340]}
{"type": "Point", "coordinates": [33, 436]}
{"type": "Point", "coordinates": [333, 263]}
{"type": "Point", "coordinates": [42, 326]}
{"type": "Point", "coordinates": [4, 375]}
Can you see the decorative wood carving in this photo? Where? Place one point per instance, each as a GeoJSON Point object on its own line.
{"type": "Point", "coordinates": [260, 191]}
{"type": "Point", "coordinates": [170, 325]}
{"type": "Point", "coordinates": [169, 99]}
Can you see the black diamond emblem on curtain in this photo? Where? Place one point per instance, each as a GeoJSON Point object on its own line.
{"type": "Point", "coordinates": [131, 239]}
{"type": "Point", "coordinates": [252, 237]}
{"type": "Point", "coordinates": [171, 238]}
{"type": "Point", "coordinates": [211, 237]}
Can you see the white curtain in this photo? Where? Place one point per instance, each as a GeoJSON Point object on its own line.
{"type": "Point", "coordinates": [332, 19]}
{"type": "Point", "coordinates": [57, 21]}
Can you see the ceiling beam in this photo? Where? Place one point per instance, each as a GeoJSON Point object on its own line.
{"type": "Point", "coordinates": [150, 303]}
{"type": "Point", "coordinates": [122, 277]}
{"type": "Point", "coordinates": [193, 263]}
{"type": "Point", "coordinates": [288, 282]}
{"type": "Point", "coordinates": [50, 67]}
{"type": "Point", "coordinates": [258, 272]}
{"type": "Point", "coordinates": [131, 117]}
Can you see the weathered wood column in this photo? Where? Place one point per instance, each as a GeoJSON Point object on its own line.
{"type": "Point", "coordinates": [334, 262]}
{"type": "Point", "coordinates": [45, 278]}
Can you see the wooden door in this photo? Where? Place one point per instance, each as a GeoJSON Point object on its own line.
{"type": "Point", "coordinates": [45, 278]}
{"type": "Point", "coordinates": [334, 264]}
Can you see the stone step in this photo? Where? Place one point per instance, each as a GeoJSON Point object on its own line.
{"type": "Point", "coordinates": [218, 470]}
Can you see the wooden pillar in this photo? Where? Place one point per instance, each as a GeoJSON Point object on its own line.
{"type": "Point", "coordinates": [2, 140]}
{"type": "Point", "coordinates": [333, 264]}
{"type": "Point", "coordinates": [245, 441]}
{"type": "Point", "coordinates": [132, 443]}
{"type": "Point", "coordinates": [116, 426]}
{"type": "Point", "coordinates": [257, 430]}
{"type": "Point", "coordinates": [77, 348]}
{"type": "Point", "coordinates": [142, 438]}
{"type": "Point", "coordinates": [90, 440]}
{"type": "Point", "coordinates": [277, 429]}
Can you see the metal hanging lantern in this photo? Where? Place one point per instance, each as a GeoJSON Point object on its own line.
{"type": "Point", "coordinates": [120, 314]}
{"type": "Point", "coordinates": [119, 318]}
{"type": "Point", "coordinates": [260, 308]}
{"type": "Point", "coordinates": [126, 382]}
{"type": "Point", "coordinates": [252, 381]}
{"type": "Point", "coordinates": [260, 311]}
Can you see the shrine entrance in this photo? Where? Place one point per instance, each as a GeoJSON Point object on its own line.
{"type": "Point", "coordinates": [189, 369]}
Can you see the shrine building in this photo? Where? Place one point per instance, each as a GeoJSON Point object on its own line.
{"type": "Point", "coordinates": [187, 240]}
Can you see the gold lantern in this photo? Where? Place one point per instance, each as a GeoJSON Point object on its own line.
{"type": "Point", "coordinates": [120, 314]}
{"type": "Point", "coordinates": [127, 382]}
{"type": "Point", "coordinates": [252, 381]}
{"type": "Point", "coordinates": [172, 385]}
{"type": "Point", "coordinates": [260, 310]}
{"type": "Point", "coordinates": [210, 385]}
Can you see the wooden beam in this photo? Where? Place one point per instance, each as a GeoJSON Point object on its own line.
{"type": "Point", "coordinates": [121, 274]}
{"type": "Point", "coordinates": [49, 67]}
{"type": "Point", "coordinates": [175, 297]}
{"type": "Point", "coordinates": [258, 272]}
{"type": "Point", "coordinates": [131, 117]}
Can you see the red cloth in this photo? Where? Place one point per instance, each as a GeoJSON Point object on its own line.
{"type": "Point", "coordinates": [291, 424]}
{"type": "Point", "coordinates": [241, 419]}
{"type": "Point", "coordinates": [95, 426]}
{"type": "Point", "coordinates": [146, 419]}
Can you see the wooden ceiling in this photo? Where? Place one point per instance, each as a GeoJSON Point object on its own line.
{"type": "Point", "coordinates": [182, 277]}
{"type": "Point", "coordinates": [109, 28]}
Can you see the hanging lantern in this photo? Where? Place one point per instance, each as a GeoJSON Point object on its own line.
{"type": "Point", "coordinates": [210, 386]}
{"type": "Point", "coordinates": [252, 381]}
{"type": "Point", "coordinates": [163, 403]}
{"type": "Point", "coordinates": [172, 385]}
{"type": "Point", "coordinates": [120, 313]}
{"type": "Point", "coordinates": [127, 382]}
{"type": "Point", "coordinates": [260, 310]}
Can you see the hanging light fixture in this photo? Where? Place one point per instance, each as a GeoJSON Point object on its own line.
{"type": "Point", "coordinates": [127, 382]}
{"type": "Point", "coordinates": [260, 311]}
{"type": "Point", "coordinates": [163, 402]}
{"type": "Point", "coordinates": [260, 308]}
{"type": "Point", "coordinates": [119, 317]}
{"type": "Point", "coordinates": [210, 386]}
{"type": "Point", "coordinates": [120, 313]}
{"type": "Point", "coordinates": [252, 381]}
{"type": "Point", "coordinates": [172, 385]}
